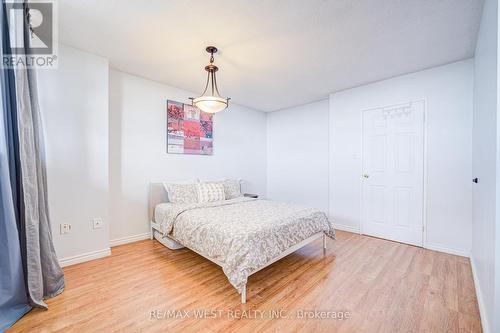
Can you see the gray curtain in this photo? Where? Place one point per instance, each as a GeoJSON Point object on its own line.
{"type": "Point", "coordinates": [13, 300]}
{"type": "Point", "coordinates": [45, 277]}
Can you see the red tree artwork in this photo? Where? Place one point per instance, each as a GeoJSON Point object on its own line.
{"type": "Point", "coordinates": [189, 130]}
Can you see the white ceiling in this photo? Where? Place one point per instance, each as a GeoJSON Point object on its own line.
{"type": "Point", "coordinates": [273, 53]}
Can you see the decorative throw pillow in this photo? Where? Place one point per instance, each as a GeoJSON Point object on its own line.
{"type": "Point", "coordinates": [232, 188]}
{"type": "Point", "coordinates": [209, 192]}
{"type": "Point", "coordinates": [181, 193]}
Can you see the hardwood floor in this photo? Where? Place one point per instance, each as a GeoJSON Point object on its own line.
{"type": "Point", "coordinates": [384, 286]}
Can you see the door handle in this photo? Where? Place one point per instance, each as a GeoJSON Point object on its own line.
{"type": "Point", "coordinates": [366, 175]}
{"type": "Point", "coordinates": [475, 180]}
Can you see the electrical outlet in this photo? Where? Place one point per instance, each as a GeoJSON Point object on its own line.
{"type": "Point", "coordinates": [65, 228]}
{"type": "Point", "coordinates": [97, 223]}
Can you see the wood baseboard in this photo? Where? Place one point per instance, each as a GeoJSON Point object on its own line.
{"type": "Point", "coordinates": [347, 228]}
{"type": "Point", "coordinates": [84, 257]}
{"type": "Point", "coordinates": [480, 299]}
{"type": "Point", "coordinates": [129, 239]}
{"type": "Point", "coordinates": [448, 250]}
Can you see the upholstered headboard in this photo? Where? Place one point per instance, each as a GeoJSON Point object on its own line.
{"type": "Point", "coordinates": [157, 195]}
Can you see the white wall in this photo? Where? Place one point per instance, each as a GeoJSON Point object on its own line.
{"type": "Point", "coordinates": [448, 92]}
{"type": "Point", "coordinates": [100, 162]}
{"type": "Point", "coordinates": [138, 149]}
{"type": "Point", "coordinates": [74, 106]}
{"type": "Point", "coordinates": [485, 160]}
{"type": "Point", "coordinates": [297, 155]}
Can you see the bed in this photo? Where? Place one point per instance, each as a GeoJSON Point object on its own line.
{"type": "Point", "coordinates": [242, 235]}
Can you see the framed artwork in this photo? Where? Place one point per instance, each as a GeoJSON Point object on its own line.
{"type": "Point", "coordinates": [189, 130]}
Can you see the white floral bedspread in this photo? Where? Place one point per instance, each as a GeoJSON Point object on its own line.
{"type": "Point", "coordinates": [243, 233]}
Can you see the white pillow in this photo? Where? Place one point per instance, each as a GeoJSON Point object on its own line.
{"type": "Point", "coordinates": [232, 188]}
{"type": "Point", "coordinates": [181, 193]}
{"type": "Point", "coordinates": [209, 192]}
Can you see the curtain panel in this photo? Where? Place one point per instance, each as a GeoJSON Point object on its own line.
{"type": "Point", "coordinates": [13, 296]}
{"type": "Point", "coordinates": [29, 268]}
{"type": "Point", "coordinates": [44, 276]}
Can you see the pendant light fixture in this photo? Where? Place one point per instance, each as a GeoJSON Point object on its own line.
{"type": "Point", "coordinates": [210, 100]}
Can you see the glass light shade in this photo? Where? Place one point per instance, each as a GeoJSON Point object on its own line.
{"type": "Point", "coordinates": [210, 104]}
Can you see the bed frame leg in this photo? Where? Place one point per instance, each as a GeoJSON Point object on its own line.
{"type": "Point", "coordinates": [151, 231]}
{"type": "Point", "coordinates": [324, 244]}
{"type": "Point", "coordinates": [244, 294]}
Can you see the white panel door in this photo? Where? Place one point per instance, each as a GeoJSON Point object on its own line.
{"type": "Point", "coordinates": [393, 172]}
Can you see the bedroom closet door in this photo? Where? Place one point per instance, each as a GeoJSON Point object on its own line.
{"type": "Point", "coordinates": [393, 173]}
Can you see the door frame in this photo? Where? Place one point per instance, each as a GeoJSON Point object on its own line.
{"type": "Point", "coordinates": [424, 161]}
